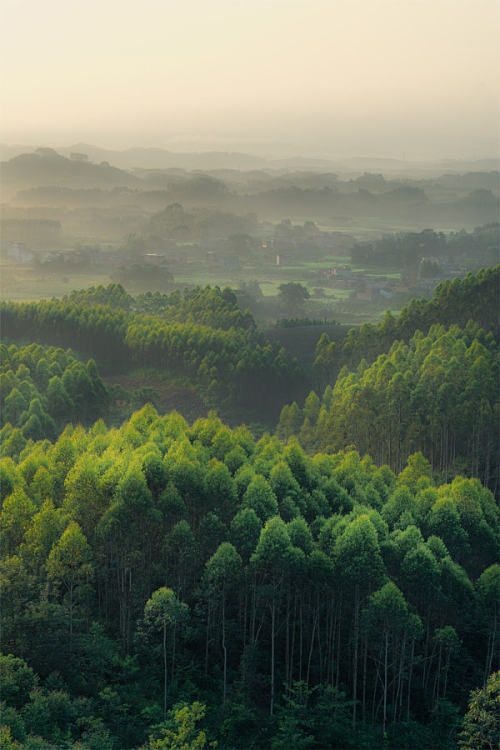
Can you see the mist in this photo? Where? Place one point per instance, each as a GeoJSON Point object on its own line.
{"type": "Point", "coordinates": [411, 80]}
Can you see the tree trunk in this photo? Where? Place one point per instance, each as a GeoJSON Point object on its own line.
{"type": "Point", "coordinates": [410, 675]}
{"type": "Point", "coordinates": [273, 625]}
{"type": "Point", "coordinates": [165, 671]}
{"type": "Point", "coordinates": [365, 664]}
{"type": "Point", "coordinates": [386, 651]}
{"type": "Point", "coordinates": [224, 648]}
{"type": "Point", "coordinates": [207, 638]}
{"type": "Point", "coordinates": [355, 659]}
{"type": "Point", "coordinates": [71, 618]}
{"type": "Point", "coordinates": [311, 651]}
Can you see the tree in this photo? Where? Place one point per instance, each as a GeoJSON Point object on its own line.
{"type": "Point", "coordinates": [387, 617]}
{"type": "Point", "coordinates": [70, 564]}
{"type": "Point", "coordinates": [417, 470]}
{"type": "Point", "coordinates": [272, 556]}
{"type": "Point", "coordinates": [293, 296]}
{"type": "Point", "coordinates": [481, 727]}
{"type": "Point", "coordinates": [260, 498]}
{"type": "Point", "coordinates": [15, 519]}
{"type": "Point", "coordinates": [163, 612]}
{"type": "Point", "coordinates": [312, 406]}
{"type": "Point", "coordinates": [59, 403]}
{"type": "Point", "coordinates": [17, 680]}
{"type": "Point", "coordinates": [223, 570]}
{"type": "Point", "coordinates": [444, 522]}
{"type": "Point", "coordinates": [183, 733]}
{"type": "Point", "coordinates": [290, 421]}
{"type": "Point", "coordinates": [489, 603]}
{"type": "Point", "coordinates": [360, 567]}
{"type": "Point", "coordinates": [295, 722]}
{"type": "Point", "coordinates": [245, 531]}
{"type": "Point", "coordinates": [448, 644]}
{"type": "Point", "coordinates": [15, 404]}
{"type": "Point", "coordinates": [7, 742]}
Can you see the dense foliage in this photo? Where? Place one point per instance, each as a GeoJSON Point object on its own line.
{"type": "Point", "coordinates": [481, 729]}
{"type": "Point", "coordinates": [112, 295]}
{"type": "Point", "coordinates": [308, 601]}
{"type": "Point", "coordinates": [453, 303]}
{"type": "Point", "coordinates": [437, 394]}
{"type": "Point", "coordinates": [201, 334]}
{"type": "Point", "coordinates": [41, 389]}
{"type": "Point", "coordinates": [208, 306]}
{"type": "Point", "coordinates": [408, 250]}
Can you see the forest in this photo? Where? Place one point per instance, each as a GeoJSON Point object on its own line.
{"type": "Point", "coordinates": [471, 298]}
{"type": "Point", "coordinates": [249, 375]}
{"type": "Point", "coordinates": [201, 334]}
{"type": "Point", "coordinates": [437, 394]}
{"type": "Point", "coordinates": [332, 582]}
{"type": "Point", "coordinates": [407, 250]}
{"type": "Point", "coordinates": [286, 595]}
{"type": "Point", "coordinates": [44, 388]}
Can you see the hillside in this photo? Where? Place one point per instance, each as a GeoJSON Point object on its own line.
{"type": "Point", "coordinates": [47, 167]}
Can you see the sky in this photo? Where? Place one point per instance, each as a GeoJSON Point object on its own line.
{"type": "Point", "coordinates": [411, 79]}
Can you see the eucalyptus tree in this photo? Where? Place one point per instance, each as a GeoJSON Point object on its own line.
{"type": "Point", "coordinates": [163, 612]}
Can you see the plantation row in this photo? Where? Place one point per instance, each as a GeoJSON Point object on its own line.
{"type": "Point", "coordinates": [208, 306]}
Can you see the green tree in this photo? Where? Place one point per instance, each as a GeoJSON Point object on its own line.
{"type": "Point", "coordinates": [245, 531]}
{"type": "Point", "coordinates": [295, 722]}
{"type": "Point", "coordinates": [481, 727]}
{"type": "Point", "coordinates": [183, 732]}
{"type": "Point", "coordinates": [14, 406]}
{"type": "Point", "coordinates": [17, 680]}
{"type": "Point", "coordinates": [488, 587]}
{"type": "Point", "coordinates": [272, 556]}
{"type": "Point", "coordinates": [387, 618]}
{"type": "Point", "coordinates": [293, 296]}
{"type": "Point", "coordinates": [163, 612]}
{"type": "Point", "coordinates": [260, 498]}
{"type": "Point", "coordinates": [59, 403]}
{"type": "Point", "coordinates": [70, 564]}
{"type": "Point", "coordinates": [361, 568]}
{"type": "Point", "coordinates": [223, 572]}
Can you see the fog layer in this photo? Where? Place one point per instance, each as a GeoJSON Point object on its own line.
{"type": "Point", "coordinates": [326, 77]}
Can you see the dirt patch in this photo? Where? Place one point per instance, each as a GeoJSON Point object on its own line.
{"type": "Point", "coordinates": [142, 387]}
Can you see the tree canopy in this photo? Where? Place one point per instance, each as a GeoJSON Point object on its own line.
{"type": "Point", "coordinates": [180, 566]}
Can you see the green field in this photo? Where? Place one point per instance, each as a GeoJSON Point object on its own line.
{"type": "Point", "coordinates": [19, 282]}
{"type": "Point", "coordinates": [24, 283]}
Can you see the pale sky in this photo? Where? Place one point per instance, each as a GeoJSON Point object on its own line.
{"type": "Point", "coordinates": [414, 78]}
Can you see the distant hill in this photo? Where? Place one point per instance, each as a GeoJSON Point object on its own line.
{"type": "Point", "coordinates": [163, 158]}
{"type": "Point", "coordinates": [403, 167]}
{"type": "Point", "coordinates": [47, 167]}
{"type": "Point", "coordinates": [480, 206]}
{"type": "Point", "coordinates": [159, 158]}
